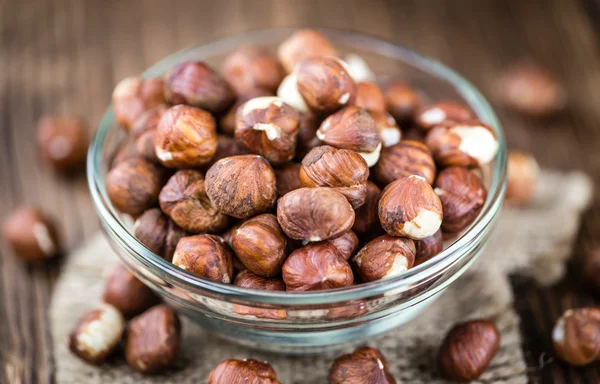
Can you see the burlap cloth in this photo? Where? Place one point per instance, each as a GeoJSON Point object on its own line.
{"type": "Point", "coordinates": [533, 240]}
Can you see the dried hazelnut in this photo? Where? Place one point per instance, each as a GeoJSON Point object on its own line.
{"type": "Point", "coordinates": [243, 372]}
{"type": "Point", "coordinates": [462, 195]}
{"type": "Point", "coordinates": [207, 256]}
{"type": "Point", "coordinates": [133, 185]}
{"type": "Point", "coordinates": [268, 127]}
{"type": "Point", "coordinates": [307, 135]}
{"type": "Point", "coordinates": [251, 67]}
{"type": "Point", "coordinates": [186, 137]}
{"type": "Point", "coordinates": [364, 365]}
{"type": "Point", "coordinates": [316, 267]}
{"type": "Point", "coordinates": [576, 336]}
{"type": "Point", "coordinates": [31, 234]}
{"type": "Point", "coordinates": [148, 121]}
{"type": "Point", "coordinates": [348, 311]}
{"type": "Point", "coordinates": [402, 101]}
{"type": "Point", "coordinates": [242, 186]}
{"type": "Point", "coordinates": [195, 83]}
{"type": "Point", "coordinates": [358, 68]}
{"type": "Point", "coordinates": [174, 234]}
{"type": "Point", "coordinates": [290, 94]}
{"type": "Point", "coordinates": [153, 340]}
{"type": "Point", "coordinates": [468, 350]}
{"type": "Point", "coordinates": [343, 170]}
{"type": "Point", "coordinates": [126, 293]}
{"type": "Point", "coordinates": [133, 96]}
{"type": "Point", "coordinates": [409, 207]}
{"type": "Point", "coordinates": [260, 244]}
{"type": "Point", "coordinates": [522, 176]}
{"type": "Point", "coordinates": [146, 146]}
{"type": "Point", "coordinates": [369, 96]}
{"type": "Point", "coordinates": [227, 121]}
{"type": "Point", "coordinates": [367, 218]}
{"type": "Point", "coordinates": [288, 178]}
{"type": "Point", "coordinates": [389, 132]}
{"type": "Point", "coordinates": [247, 279]}
{"type": "Point", "coordinates": [352, 128]}
{"type": "Point", "coordinates": [468, 144]}
{"type": "Point", "coordinates": [384, 257]}
{"type": "Point", "coordinates": [325, 84]}
{"type": "Point", "coordinates": [226, 147]}
{"type": "Point", "coordinates": [404, 159]}
{"type": "Point", "coordinates": [429, 247]}
{"type": "Point", "coordinates": [414, 133]}
{"type": "Point", "coordinates": [126, 151]}
{"type": "Point", "coordinates": [591, 268]}
{"type": "Point", "coordinates": [62, 142]}
{"type": "Point", "coordinates": [303, 44]}
{"type": "Point", "coordinates": [184, 199]}
{"type": "Point", "coordinates": [151, 230]}
{"type": "Point", "coordinates": [346, 244]}
{"type": "Point", "coordinates": [314, 214]}
{"type": "Point", "coordinates": [445, 111]}
{"type": "Point", "coordinates": [97, 334]}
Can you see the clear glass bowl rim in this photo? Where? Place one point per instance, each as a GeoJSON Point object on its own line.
{"type": "Point", "coordinates": [449, 256]}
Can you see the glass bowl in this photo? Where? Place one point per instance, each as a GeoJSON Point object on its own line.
{"type": "Point", "coordinates": [307, 322]}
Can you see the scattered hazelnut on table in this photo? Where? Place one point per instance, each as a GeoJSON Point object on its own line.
{"type": "Point", "coordinates": [358, 68]}
{"type": "Point", "coordinates": [227, 121]}
{"type": "Point", "coordinates": [468, 350]}
{"type": "Point", "coordinates": [151, 230]}
{"type": "Point", "coordinates": [369, 96]}
{"type": "Point", "coordinates": [429, 116]}
{"type": "Point", "coordinates": [576, 336]}
{"type": "Point", "coordinates": [364, 365]}
{"type": "Point", "coordinates": [243, 372]}
{"type": "Point", "coordinates": [125, 292]}
{"type": "Point", "coordinates": [63, 142]}
{"type": "Point", "coordinates": [366, 217]}
{"type": "Point", "coordinates": [288, 178]}
{"type": "Point", "coordinates": [402, 101]}
{"type": "Point", "coordinates": [248, 279]}
{"type": "Point", "coordinates": [133, 96]}
{"type": "Point", "coordinates": [207, 256]}
{"type": "Point", "coordinates": [591, 268]}
{"type": "Point", "coordinates": [389, 131]}
{"type": "Point", "coordinates": [404, 159]}
{"type": "Point", "coordinates": [153, 340]}
{"type": "Point", "coordinates": [307, 134]}
{"type": "Point", "coordinates": [429, 247]}
{"type": "Point", "coordinates": [290, 94]}
{"type": "Point", "coordinates": [346, 244]}
{"type": "Point", "coordinates": [522, 176]}
{"type": "Point", "coordinates": [302, 45]}
{"type": "Point", "coordinates": [31, 234]}
{"type": "Point", "coordinates": [384, 257]}
{"type": "Point", "coordinates": [250, 67]}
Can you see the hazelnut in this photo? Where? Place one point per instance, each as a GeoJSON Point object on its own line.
{"type": "Point", "coordinates": [303, 44]}
{"type": "Point", "coordinates": [316, 267]}
{"type": "Point", "coordinates": [250, 67]}
{"type": "Point", "coordinates": [228, 237]}
{"type": "Point", "coordinates": [414, 133]}
{"type": "Point", "coordinates": [343, 170]}
{"type": "Point", "coordinates": [468, 350]}
{"type": "Point", "coordinates": [62, 142]}
{"type": "Point", "coordinates": [404, 159]}
{"type": "Point", "coordinates": [243, 372]}
{"type": "Point", "coordinates": [325, 84]}
{"type": "Point", "coordinates": [133, 185]}
{"type": "Point", "coordinates": [576, 336]}
{"type": "Point", "coordinates": [260, 244]}
{"type": "Point", "coordinates": [522, 176]}
{"type": "Point", "coordinates": [207, 256]}
{"type": "Point", "coordinates": [352, 128]}
{"type": "Point", "coordinates": [389, 132]}
{"type": "Point", "coordinates": [186, 137]}
{"type": "Point", "coordinates": [247, 279]}
{"type": "Point", "coordinates": [153, 340]}
{"type": "Point", "coordinates": [151, 230]}
{"type": "Point", "coordinates": [97, 334]}
{"type": "Point", "coordinates": [402, 101]}
{"type": "Point", "coordinates": [268, 127]}
{"type": "Point", "coordinates": [591, 268]}
{"type": "Point", "coordinates": [384, 257]}
{"type": "Point", "coordinates": [146, 146]}
{"type": "Point", "coordinates": [364, 365]}
{"type": "Point", "coordinates": [314, 214]}
{"type": "Point", "coordinates": [126, 293]}
{"type": "Point", "coordinates": [227, 121]}
{"type": "Point", "coordinates": [195, 83]}
{"type": "Point", "coordinates": [467, 144]}
{"type": "Point", "coordinates": [290, 94]}
{"type": "Point", "coordinates": [133, 96]}
{"type": "Point", "coordinates": [358, 68]}
{"type": "Point", "coordinates": [288, 178]}
{"type": "Point", "coordinates": [307, 135]}
{"type": "Point", "coordinates": [462, 194]}
{"type": "Point", "coordinates": [445, 111]}
{"type": "Point", "coordinates": [367, 218]}
{"type": "Point", "coordinates": [409, 207]}
{"type": "Point", "coordinates": [174, 234]}
{"type": "Point", "coordinates": [184, 199]}
{"type": "Point", "coordinates": [148, 121]}
{"type": "Point", "coordinates": [429, 247]}
{"type": "Point", "coordinates": [126, 151]}
{"type": "Point", "coordinates": [346, 244]}
{"type": "Point", "coordinates": [369, 96]}
{"type": "Point", "coordinates": [254, 185]}
{"type": "Point", "coordinates": [31, 235]}
{"type": "Point", "coordinates": [349, 311]}
{"type": "Point", "coordinates": [226, 147]}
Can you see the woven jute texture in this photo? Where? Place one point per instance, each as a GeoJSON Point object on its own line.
{"type": "Point", "coordinates": [534, 240]}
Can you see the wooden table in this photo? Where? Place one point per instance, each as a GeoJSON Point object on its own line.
{"type": "Point", "coordinates": [65, 56]}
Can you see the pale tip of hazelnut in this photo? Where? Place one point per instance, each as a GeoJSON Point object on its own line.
{"type": "Point", "coordinates": [478, 142]}
{"type": "Point", "coordinates": [314, 238]}
{"type": "Point", "coordinates": [289, 93]}
{"type": "Point", "coordinates": [344, 98]}
{"type": "Point", "coordinates": [433, 116]}
{"type": "Point", "coordinates": [358, 68]}
{"type": "Point", "coordinates": [100, 334]}
{"type": "Point", "coordinates": [226, 278]}
{"type": "Point", "coordinates": [43, 238]}
{"type": "Point", "coordinates": [425, 224]}
{"type": "Point", "coordinates": [370, 157]}
{"type": "Point", "coordinates": [163, 155]}
{"type": "Point", "coordinates": [125, 87]}
{"type": "Point", "coordinates": [400, 265]}
{"type": "Point", "coordinates": [390, 136]}
{"type": "Point", "coordinates": [272, 131]}
{"type": "Point", "coordinates": [263, 102]}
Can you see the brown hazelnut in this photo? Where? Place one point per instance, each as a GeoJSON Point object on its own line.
{"type": "Point", "coordinates": [133, 185]}
{"type": "Point", "coordinates": [307, 134]}
{"type": "Point", "coordinates": [62, 142]}
{"type": "Point", "coordinates": [369, 96]}
{"type": "Point", "coordinates": [288, 178]}
{"type": "Point", "coordinates": [466, 144]}
{"type": "Point", "coordinates": [384, 257]}
{"type": "Point", "coordinates": [31, 234]}
{"type": "Point", "coordinates": [343, 170]}
{"type": "Point", "coordinates": [431, 115]}
{"type": "Point", "coordinates": [367, 218]}
{"type": "Point", "coordinates": [153, 340]}
{"type": "Point", "coordinates": [348, 311]}
{"type": "Point", "coordinates": [148, 121]}
{"type": "Point", "coordinates": [126, 293]}
{"type": "Point", "coordinates": [591, 268]}
{"type": "Point", "coordinates": [429, 247]}
{"type": "Point", "coordinates": [352, 128]}
{"type": "Point", "coordinates": [404, 159]}
{"type": "Point", "coordinates": [227, 121]}
{"type": "Point", "coordinates": [174, 234]}
{"type": "Point", "coordinates": [151, 230]}
{"type": "Point", "coordinates": [133, 96]}
{"type": "Point", "coordinates": [247, 279]}
{"type": "Point", "coordinates": [126, 151]}
{"type": "Point", "coordinates": [195, 83]}
{"type": "Point", "coordinates": [409, 207]}
{"type": "Point", "coordinates": [260, 244]}
{"type": "Point", "coordinates": [316, 267]}
{"type": "Point", "coordinates": [186, 137]}
{"type": "Point", "coordinates": [184, 199]}
{"type": "Point", "coordinates": [243, 372]}
{"type": "Point", "coordinates": [314, 214]}
{"type": "Point", "coordinates": [462, 194]}
{"type": "Point", "coordinates": [325, 84]}
{"type": "Point", "coordinates": [303, 44]}
{"type": "Point", "coordinates": [290, 94]}
{"type": "Point", "coordinates": [250, 67]}
{"type": "Point", "coordinates": [226, 147]}
{"type": "Point", "coordinates": [576, 336]}
{"type": "Point", "coordinates": [146, 146]}
{"type": "Point", "coordinates": [207, 256]}
{"type": "Point", "coordinates": [364, 365]}
{"type": "Point", "coordinates": [268, 127]}
{"type": "Point", "coordinates": [468, 350]}
{"type": "Point", "coordinates": [414, 133]}
{"type": "Point", "coordinates": [242, 186]}
{"type": "Point", "coordinates": [522, 177]}
{"type": "Point", "coordinates": [402, 101]}
{"type": "Point", "coordinates": [228, 236]}
{"type": "Point", "coordinates": [97, 334]}
{"type": "Point", "coordinates": [389, 132]}
{"type": "Point", "coordinates": [346, 244]}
